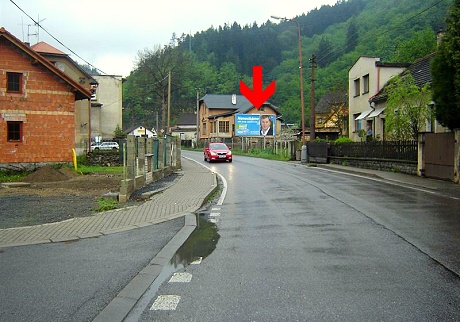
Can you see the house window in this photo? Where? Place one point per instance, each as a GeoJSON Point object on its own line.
{"type": "Point", "coordinates": [357, 122]}
{"type": "Point", "coordinates": [366, 83]}
{"type": "Point", "coordinates": [14, 131]}
{"type": "Point", "coordinates": [320, 120]}
{"type": "Point", "coordinates": [203, 129]}
{"type": "Point", "coordinates": [224, 127]}
{"type": "Point", "coordinates": [14, 82]}
{"type": "Point", "coordinates": [213, 127]}
{"type": "Point", "coordinates": [357, 87]}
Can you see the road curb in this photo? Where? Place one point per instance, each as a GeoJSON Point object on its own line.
{"type": "Point", "coordinates": [119, 308]}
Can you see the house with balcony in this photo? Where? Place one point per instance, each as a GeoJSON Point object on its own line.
{"type": "Point", "coordinates": [37, 107]}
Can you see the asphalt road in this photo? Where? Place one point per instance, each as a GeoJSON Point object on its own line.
{"type": "Point", "coordinates": [300, 243]}
{"type": "Point", "coordinates": [74, 281]}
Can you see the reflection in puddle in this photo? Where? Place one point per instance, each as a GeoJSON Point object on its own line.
{"type": "Point", "coordinates": [200, 244]}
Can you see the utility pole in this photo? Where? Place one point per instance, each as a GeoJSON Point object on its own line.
{"type": "Point", "coordinates": [168, 131]}
{"type": "Point", "coordinates": [197, 116]}
{"type": "Point", "coordinates": [312, 98]}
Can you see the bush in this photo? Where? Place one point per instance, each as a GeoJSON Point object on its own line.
{"type": "Point", "coordinates": [343, 140]}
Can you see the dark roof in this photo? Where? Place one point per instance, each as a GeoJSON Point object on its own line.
{"type": "Point", "coordinates": [397, 65]}
{"type": "Point", "coordinates": [79, 91]}
{"type": "Point", "coordinates": [186, 119]}
{"type": "Point", "coordinates": [224, 102]}
{"type": "Point", "coordinates": [329, 99]}
{"type": "Point", "coordinates": [419, 69]}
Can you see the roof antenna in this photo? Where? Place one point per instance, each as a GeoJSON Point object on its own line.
{"type": "Point", "coordinates": [37, 24]}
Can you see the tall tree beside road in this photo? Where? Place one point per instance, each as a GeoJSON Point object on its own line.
{"type": "Point", "coordinates": [149, 81]}
{"type": "Point", "coordinates": [407, 108]}
{"type": "Point", "coordinates": [446, 72]}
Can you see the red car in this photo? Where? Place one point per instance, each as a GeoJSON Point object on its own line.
{"type": "Point", "coordinates": [217, 152]}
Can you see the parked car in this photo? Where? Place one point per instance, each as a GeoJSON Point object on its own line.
{"type": "Point", "coordinates": [217, 152]}
{"type": "Point", "coordinates": [105, 146]}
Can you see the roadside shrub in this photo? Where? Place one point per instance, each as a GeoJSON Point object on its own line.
{"type": "Point", "coordinates": [343, 140]}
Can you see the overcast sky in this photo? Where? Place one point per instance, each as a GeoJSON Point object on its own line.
{"type": "Point", "coordinates": [109, 34]}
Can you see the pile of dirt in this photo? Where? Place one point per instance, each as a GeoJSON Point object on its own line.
{"type": "Point", "coordinates": [50, 174]}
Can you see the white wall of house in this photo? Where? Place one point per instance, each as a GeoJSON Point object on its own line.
{"type": "Point", "coordinates": [142, 131]}
{"type": "Point", "coordinates": [365, 79]}
{"type": "Point", "coordinates": [104, 119]}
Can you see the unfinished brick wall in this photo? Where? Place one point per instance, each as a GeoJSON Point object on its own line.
{"type": "Point", "coordinates": [46, 107]}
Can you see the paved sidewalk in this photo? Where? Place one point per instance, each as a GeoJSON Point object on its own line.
{"type": "Point", "coordinates": [185, 196]}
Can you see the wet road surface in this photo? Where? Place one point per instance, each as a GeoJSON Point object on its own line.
{"type": "Point", "coordinates": [300, 243]}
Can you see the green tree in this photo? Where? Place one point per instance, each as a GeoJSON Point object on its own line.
{"type": "Point", "coordinates": [446, 72]}
{"type": "Point", "coordinates": [228, 79]}
{"type": "Point", "coordinates": [352, 37]}
{"type": "Point", "coordinates": [153, 70]}
{"type": "Point", "coordinates": [420, 45]}
{"type": "Point", "coordinates": [326, 53]}
{"type": "Point", "coordinates": [407, 108]}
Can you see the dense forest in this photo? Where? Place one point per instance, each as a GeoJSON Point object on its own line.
{"type": "Point", "coordinates": [215, 60]}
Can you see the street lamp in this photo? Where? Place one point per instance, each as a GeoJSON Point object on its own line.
{"type": "Point", "coordinates": [302, 104]}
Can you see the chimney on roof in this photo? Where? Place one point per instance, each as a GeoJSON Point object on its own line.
{"type": "Point", "coordinates": [234, 99]}
{"type": "Point", "coordinates": [439, 36]}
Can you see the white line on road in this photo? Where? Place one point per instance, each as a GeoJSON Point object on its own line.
{"type": "Point", "coordinates": [165, 303]}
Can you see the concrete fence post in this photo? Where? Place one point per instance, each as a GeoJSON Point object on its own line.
{"type": "Point", "coordinates": [457, 156]}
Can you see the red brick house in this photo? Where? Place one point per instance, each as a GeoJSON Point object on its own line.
{"type": "Point", "coordinates": [37, 107]}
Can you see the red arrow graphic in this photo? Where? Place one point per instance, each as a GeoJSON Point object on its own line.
{"type": "Point", "coordinates": [257, 96]}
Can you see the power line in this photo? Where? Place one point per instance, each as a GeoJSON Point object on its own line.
{"type": "Point", "coordinates": [37, 23]}
{"type": "Point", "coordinates": [337, 48]}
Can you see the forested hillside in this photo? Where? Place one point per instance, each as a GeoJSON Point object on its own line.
{"type": "Point", "coordinates": [214, 60]}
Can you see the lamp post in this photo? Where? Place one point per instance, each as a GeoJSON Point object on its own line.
{"type": "Point", "coordinates": [302, 103]}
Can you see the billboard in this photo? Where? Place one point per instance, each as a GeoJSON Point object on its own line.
{"type": "Point", "coordinates": [255, 125]}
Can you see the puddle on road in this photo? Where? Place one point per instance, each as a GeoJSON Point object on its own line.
{"type": "Point", "coordinates": [199, 245]}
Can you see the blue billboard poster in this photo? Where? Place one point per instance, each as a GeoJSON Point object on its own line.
{"type": "Point", "coordinates": [247, 124]}
{"type": "Point", "coordinates": [255, 125]}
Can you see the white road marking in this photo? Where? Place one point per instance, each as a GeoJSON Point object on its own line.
{"type": "Point", "coordinates": [197, 261]}
{"type": "Point", "coordinates": [214, 214]}
{"type": "Point", "coordinates": [180, 278]}
{"type": "Point", "coordinates": [165, 303]}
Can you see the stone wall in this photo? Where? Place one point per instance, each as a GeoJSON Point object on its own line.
{"type": "Point", "coordinates": [105, 158]}
{"type": "Point", "coordinates": [377, 164]}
